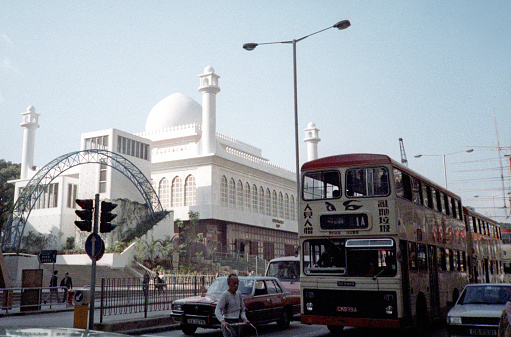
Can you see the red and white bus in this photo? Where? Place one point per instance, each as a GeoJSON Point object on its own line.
{"type": "Point", "coordinates": [485, 247]}
{"type": "Point", "coordinates": [387, 247]}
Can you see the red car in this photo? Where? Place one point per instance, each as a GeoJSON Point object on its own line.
{"type": "Point", "coordinates": [266, 300]}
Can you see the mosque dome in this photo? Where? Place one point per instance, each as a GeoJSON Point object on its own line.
{"type": "Point", "coordinates": [176, 109]}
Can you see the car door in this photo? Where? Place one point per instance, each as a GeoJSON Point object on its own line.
{"type": "Point", "coordinates": [276, 302]}
{"type": "Point", "coordinates": [261, 303]}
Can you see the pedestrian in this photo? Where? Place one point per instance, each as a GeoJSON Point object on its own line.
{"type": "Point", "coordinates": [145, 284]}
{"type": "Point", "coordinates": [53, 287]}
{"type": "Point", "coordinates": [68, 283]}
{"type": "Point", "coordinates": [505, 321]}
{"type": "Point", "coordinates": [231, 309]}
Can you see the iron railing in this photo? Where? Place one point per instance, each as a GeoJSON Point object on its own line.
{"type": "Point", "coordinates": [129, 295]}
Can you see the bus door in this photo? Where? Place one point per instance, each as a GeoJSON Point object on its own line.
{"type": "Point", "coordinates": [405, 279]}
{"type": "Point", "coordinates": [433, 282]}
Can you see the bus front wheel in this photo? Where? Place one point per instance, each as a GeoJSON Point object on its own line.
{"type": "Point", "coordinates": [335, 329]}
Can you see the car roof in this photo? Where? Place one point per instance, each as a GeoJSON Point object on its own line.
{"type": "Point", "coordinates": [255, 277]}
{"type": "Point", "coordinates": [488, 284]}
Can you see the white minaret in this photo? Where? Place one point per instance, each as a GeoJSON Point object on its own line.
{"type": "Point", "coordinates": [312, 139]}
{"type": "Point", "coordinates": [29, 123]}
{"type": "Point", "coordinates": [208, 88]}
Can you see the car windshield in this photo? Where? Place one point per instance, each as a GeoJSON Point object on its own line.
{"type": "Point", "coordinates": [220, 285]}
{"type": "Point", "coordinates": [284, 270]}
{"type": "Point", "coordinates": [485, 294]}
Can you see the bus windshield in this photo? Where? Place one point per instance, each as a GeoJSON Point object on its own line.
{"type": "Point", "coordinates": [351, 257]}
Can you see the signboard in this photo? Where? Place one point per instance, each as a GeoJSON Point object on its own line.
{"type": "Point", "coordinates": [48, 256]}
{"type": "Point", "coordinates": [99, 246]}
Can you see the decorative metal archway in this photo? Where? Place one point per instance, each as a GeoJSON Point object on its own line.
{"type": "Point", "coordinates": [17, 221]}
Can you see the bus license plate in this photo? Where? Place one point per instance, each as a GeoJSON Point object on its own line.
{"type": "Point", "coordinates": [347, 309]}
{"type": "Point", "coordinates": [196, 321]}
{"type": "Point", "coordinates": [483, 332]}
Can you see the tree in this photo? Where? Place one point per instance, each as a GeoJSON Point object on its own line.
{"type": "Point", "coordinates": [188, 235]}
{"type": "Point", "coordinates": [8, 171]}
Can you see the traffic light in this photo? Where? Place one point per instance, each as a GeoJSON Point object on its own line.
{"type": "Point", "coordinates": [85, 214]}
{"type": "Point", "coordinates": [107, 216]}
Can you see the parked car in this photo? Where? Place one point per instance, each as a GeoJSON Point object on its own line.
{"type": "Point", "coordinates": [477, 311]}
{"type": "Point", "coordinates": [266, 300]}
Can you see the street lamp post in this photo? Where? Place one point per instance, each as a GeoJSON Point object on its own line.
{"type": "Point", "coordinates": [443, 160]}
{"type": "Point", "coordinates": [251, 46]}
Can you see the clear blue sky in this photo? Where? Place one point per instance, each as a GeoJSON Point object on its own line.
{"type": "Point", "coordinates": [431, 72]}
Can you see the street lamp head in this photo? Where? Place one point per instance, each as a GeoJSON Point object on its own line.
{"type": "Point", "coordinates": [250, 46]}
{"type": "Point", "coordinates": [418, 155]}
{"type": "Point", "coordinates": [342, 24]}
{"type": "Point", "coordinates": [470, 150]}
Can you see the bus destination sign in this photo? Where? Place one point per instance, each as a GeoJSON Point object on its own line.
{"type": "Point", "coordinates": [344, 221]}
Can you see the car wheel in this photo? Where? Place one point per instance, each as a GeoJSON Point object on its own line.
{"type": "Point", "coordinates": [335, 329]}
{"type": "Point", "coordinates": [285, 320]}
{"type": "Point", "coordinates": [188, 330]}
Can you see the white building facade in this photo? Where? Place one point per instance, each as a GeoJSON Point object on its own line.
{"type": "Point", "coordinates": [245, 203]}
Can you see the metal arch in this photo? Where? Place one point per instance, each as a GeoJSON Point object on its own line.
{"type": "Point", "coordinates": [15, 226]}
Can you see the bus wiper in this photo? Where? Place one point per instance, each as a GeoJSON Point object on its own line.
{"type": "Point", "coordinates": [381, 271]}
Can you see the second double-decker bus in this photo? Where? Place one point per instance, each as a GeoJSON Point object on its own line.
{"type": "Point", "coordinates": [385, 247]}
{"type": "Point", "coordinates": [485, 248]}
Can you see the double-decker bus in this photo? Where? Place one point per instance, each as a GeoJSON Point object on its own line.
{"type": "Point", "coordinates": [485, 248]}
{"type": "Point", "coordinates": [385, 247]}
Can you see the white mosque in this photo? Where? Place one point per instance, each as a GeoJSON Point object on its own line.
{"type": "Point", "coordinates": [245, 203]}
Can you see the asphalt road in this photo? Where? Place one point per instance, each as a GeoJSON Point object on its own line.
{"type": "Point", "coordinates": [298, 329]}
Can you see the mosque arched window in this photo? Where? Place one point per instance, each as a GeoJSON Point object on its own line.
{"type": "Point", "coordinates": [176, 194]}
{"type": "Point", "coordinates": [254, 199]}
{"type": "Point", "coordinates": [232, 193]}
{"type": "Point", "coordinates": [281, 205]}
{"type": "Point", "coordinates": [261, 200]}
{"type": "Point", "coordinates": [224, 199]}
{"type": "Point", "coordinates": [190, 191]}
{"type": "Point", "coordinates": [274, 204]}
{"type": "Point", "coordinates": [248, 202]}
{"type": "Point", "coordinates": [292, 206]}
{"type": "Point", "coordinates": [286, 206]}
{"type": "Point", "coordinates": [164, 193]}
{"type": "Point", "coordinates": [268, 202]}
{"type": "Point", "coordinates": [239, 195]}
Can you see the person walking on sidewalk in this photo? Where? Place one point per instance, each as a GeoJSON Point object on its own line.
{"type": "Point", "coordinates": [53, 288]}
{"type": "Point", "coordinates": [68, 283]}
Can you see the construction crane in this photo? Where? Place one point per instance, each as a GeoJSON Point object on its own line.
{"type": "Point", "coordinates": [404, 161]}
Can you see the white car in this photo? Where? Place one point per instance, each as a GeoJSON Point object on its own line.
{"type": "Point", "coordinates": [478, 309]}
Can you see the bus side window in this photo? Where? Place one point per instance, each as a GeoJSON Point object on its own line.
{"type": "Point", "coordinates": [422, 257]}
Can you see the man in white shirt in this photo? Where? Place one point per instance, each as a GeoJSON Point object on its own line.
{"type": "Point", "coordinates": [231, 309]}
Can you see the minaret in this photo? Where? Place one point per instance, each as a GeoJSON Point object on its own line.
{"type": "Point", "coordinates": [29, 123]}
{"type": "Point", "coordinates": [312, 139]}
{"type": "Point", "coordinates": [208, 88]}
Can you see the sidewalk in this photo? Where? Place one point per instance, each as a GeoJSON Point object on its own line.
{"type": "Point", "coordinates": [134, 323]}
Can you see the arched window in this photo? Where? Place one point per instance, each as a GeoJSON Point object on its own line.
{"type": "Point", "coordinates": [176, 192]}
{"type": "Point", "coordinates": [268, 202]}
{"type": "Point", "coordinates": [281, 205]}
{"type": "Point", "coordinates": [254, 199]}
{"type": "Point", "coordinates": [164, 193]}
{"type": "Point", "coordinates": [274, 204]}
{"type": "Point", "coordinates": [248, 202]}
{"type": "Point", "coordinates": [232, 193]}
{"type": "Point", "coordinates": [286, 206]}
{"type": "Point", "coordinates": [239, 195]}
{"type": "Point", "coordinates": [292, 206]}
{"type": "Point", "coordinates": [224, 199]}
{"type": "Point", "coordinates": [190, 191]}
{"type": "Point", "coordinates": [261, 200]}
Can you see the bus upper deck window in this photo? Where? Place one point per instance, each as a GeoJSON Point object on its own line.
{"type": "Point", "coordinates": [367, 182]}
{"type": "Point", "coordinates": [321, 185]}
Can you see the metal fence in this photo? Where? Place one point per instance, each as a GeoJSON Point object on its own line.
{"type": "Point", "coordinates": [127, 296]}
{"type": "Point", "coordinates": [15, 299]}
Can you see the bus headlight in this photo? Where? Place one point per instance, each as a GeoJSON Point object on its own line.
{"type": "Point", "coordinates": [389, 310]}
{"type": "Point", "coordinates": [309, 306]}
{"type": "Point", "coordinates": [454, 320]}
